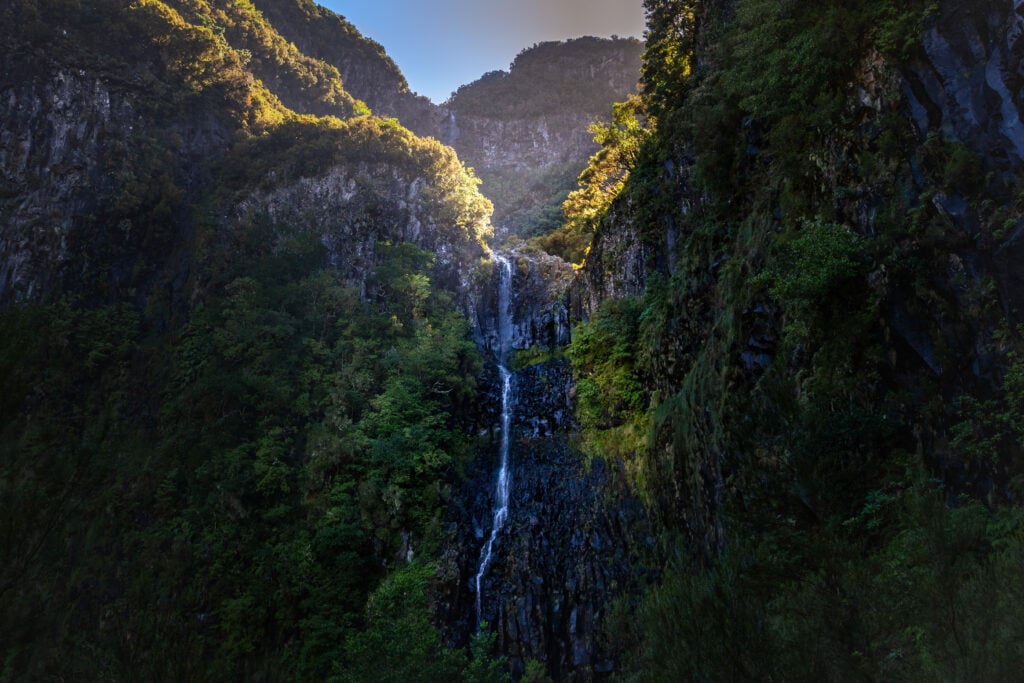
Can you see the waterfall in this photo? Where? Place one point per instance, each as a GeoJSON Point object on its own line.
{"type": "Point", "coordinates": [501, 497]}
{"type": "Point", "coordinates": [452, 129]}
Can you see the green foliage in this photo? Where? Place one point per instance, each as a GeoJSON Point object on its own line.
{"type": "Point", "coordinates": [794, 372]}
{"type": "Point", "coordinates": [603, 352]}
{"type": "Point", "coordinates": [483, 666]}
{"type": "Point", "coordinates": [537, 83]}
{"type": "Point", "coordinates": [668, 53]}
{"type": "Point", "coordinates": [786, 69]}
{"type": "Point", "coordinates": [535, 355]}
{"type": "Point", "coordinates": [992, 429]}
{"type": "Point", "coordinates": [815, 264]}
{"type": "Point", "coordinates": [601, 182]}
{"type": "Point", "coordinates": [212, 489]}
{"type": "Point", "coordinates": [304, 84]}
{"type": "Point", "coordinates": [320, 33]}
{"type": "Point", "coordinates": [529, 200]}
{"type": "Point", "coordinates": [781, 89]}
{"type": "Point", "coordinates": [535, 672]}
{"type": "Point", "coordinates": [70, 389]}
{"type": "Point", "coordinates": [900, 26]}
{"type": "Point", "coordinates": [297, 438]}
{"type": "Point", "coordinates": [812, 273]}
{"type": "Point", "coordinates": [303, 147]}
{"type": "Point", "coordinates": [933, 599]}
{"type": "Point", "coordinates": [192, 52]}
{"type": "Point", "coordinates": [239, 497]}
{"type": "Point", "coordinates": [195, 62]}
{"type": "Point", "coordinates": [790, 58]}
{"type": "Point", "coordinates": [399, 642]}
{"type": "Point", "coordinates": [611, 398]}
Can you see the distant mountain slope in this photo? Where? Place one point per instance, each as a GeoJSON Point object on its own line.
{"type": "Point", "coordinates": [583, 74]}
{"type": "Point", "coordinates": [366, 69]}
{"type": "Point", "coordinates": [525, 130]}
{"type": "Point", "coordinates": [304, 83]}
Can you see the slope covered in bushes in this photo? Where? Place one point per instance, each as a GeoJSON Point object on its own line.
{"type": "Point", "coordinates": [813, 370]}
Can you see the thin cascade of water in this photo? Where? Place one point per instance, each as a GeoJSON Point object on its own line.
{"type": "Point", "coordinates": [501, 497]}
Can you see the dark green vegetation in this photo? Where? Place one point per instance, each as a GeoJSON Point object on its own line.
{"type": "Point", "coordinates": [368, 72]}
{"type": "Point", "coordinates": [253, 474]}
{"type": "Point", "coordinates": [820, 400]}
{"type": "Point", "coordinates": [222, 443]}
{"type": "Point", "coordinates": [238, 389]}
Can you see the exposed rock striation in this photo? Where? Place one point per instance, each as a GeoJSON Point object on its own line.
{"type": "Point", "coordinates": [353, 209]}
{"type": "Point", "coordinates": [617, 265]}
{"type": "Point", "coordinates": [81, 155]}
{"type": "Point", "coordinates": [103, 159]}
{"type": "Point", "coordinates": [969, 79]}
{"type": "Point", "coordinates": [575, 534]}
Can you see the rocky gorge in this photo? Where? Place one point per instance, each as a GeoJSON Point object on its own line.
{"type": "Point", "coordinates": [717, 332]}
{"type": "Point", "coordinates": [285, 399]}
{"type": "Point", "coordinates": [568, 547]}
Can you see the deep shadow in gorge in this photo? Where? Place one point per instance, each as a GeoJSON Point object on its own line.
{"type": "Point", "coordinates": [570, 544]}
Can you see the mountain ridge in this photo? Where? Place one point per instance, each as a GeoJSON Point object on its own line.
{"type": "Point", "coordinates": [241, 351]}
{"type": "Point", "coordinates": [769, 426]}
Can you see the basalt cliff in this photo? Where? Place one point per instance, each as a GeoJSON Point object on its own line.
{"type": "Point", "coordinates": [290, 394]}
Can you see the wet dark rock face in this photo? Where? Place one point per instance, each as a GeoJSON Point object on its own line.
{"type": "Point", "coordinates": [561, 560]}
{"type": "Point", "coordinates": [617, 266]}
{"type": "Point", "coordinates": [566, 559]}
{"type": "Point", "coordinates": [539, 301]}
{"type": "Point", "coordinates": [545, 410]}
{"type": "Point", "coordinates": [968, 83]}
{"type": "Point", "coordinates": [569, 547]}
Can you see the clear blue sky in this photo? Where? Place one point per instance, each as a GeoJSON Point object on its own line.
{"type": "Point", "coordinates": [442, 44]}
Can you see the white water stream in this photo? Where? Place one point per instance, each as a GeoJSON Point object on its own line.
{"type": "Point", "coordinates": [501, 497]}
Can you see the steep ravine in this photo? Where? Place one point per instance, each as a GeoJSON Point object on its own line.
{"type": "Point", "coordinates": [566, 548]}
